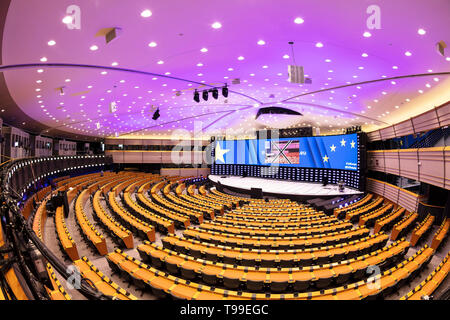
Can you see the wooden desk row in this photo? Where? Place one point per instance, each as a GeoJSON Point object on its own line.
{"type": "Point", "coordinates": [341, 212]}
{"type": "Point", "coordinates": [369, 218]}
{"type": "Point", "coordinates": [278, 231]}
{"type": "Point", "coordinates": [421, 229]}
{"type": "Point", "coordinates": [276, 214]}
{"type": "Point", "coordinates": [64, 237]}
{"type": "Point", "coordinates": [193, 216]}
{"type": "Point", "coordinates": [101, 282]}
{"type": "Point", "coordinates": [139, 227]}
{"type": "Point", "coordinates": [275, 258]}
{"type": "Point", "coordinates": [208, 213]}
{"type": "Point", "coordinates": [403, 226]}
{"type": "Point", "coordinates": [286, 223]}
{"type": "Point", "coordinates": [431, 283]}
{"type": "Point", "coordinates": [281, 242]}
{"type": "Point", "coordinates": [118, 232]}
{"type": "Point", "coordinates": [355, 214]}
{"type": "Point", "coordinates": [163, 284]}
{"type": "Point", "coordinates": [385, 223]}
{"type": "Point", "coordinates": [274, 279]}
{"type": "Point", "coordinates": [56, 291]}
{"type": "Point", "coordinates": [87, 229]}
{"type": "Point", "coordinates": [161, 223]}
{"type": "Point", "coordinates": [440, 234]}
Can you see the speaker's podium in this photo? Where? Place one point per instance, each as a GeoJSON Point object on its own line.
{"type": "Point", "coordinates": [256, 193]}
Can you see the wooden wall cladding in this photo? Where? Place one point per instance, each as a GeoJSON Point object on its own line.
{"type": "Point", "coordinates": [387, 133]}
{"type": "Point", "coordinates": [432, 166]}
{"type": "Point", "coordinates": [447, 167]}
{"type": "Point", "coordinates": [432, 119]}
{"type": "Point", "coordinates": [402, 197]}
{"type": "Point", "coordinates": [375, 160]}
{"type": "Point", "coordinates": [429, 165]}
{"type": "Point", "coordinates": [408, 200]}
{"type": "Point", "coordinates": [444, 115]}
{"type": "Point", "coordinates": [391, 162]}
{"type": "Point", "coordinates": [409, 167]}
{"type": "Point", "coordinates": [181, 157]}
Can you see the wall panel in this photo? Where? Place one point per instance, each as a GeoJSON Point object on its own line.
{"type": "Point", "coordinates": [432, 166]}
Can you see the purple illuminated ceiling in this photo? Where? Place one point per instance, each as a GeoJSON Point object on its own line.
{"type": "Point", "coordinates": [247, 40]}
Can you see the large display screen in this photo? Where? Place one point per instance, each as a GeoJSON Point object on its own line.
{"type": "Point", "coordinates": [330, 152]}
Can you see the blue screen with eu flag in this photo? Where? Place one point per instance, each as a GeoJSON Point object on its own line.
{"type": "Point", "coordinates": [329, 152]}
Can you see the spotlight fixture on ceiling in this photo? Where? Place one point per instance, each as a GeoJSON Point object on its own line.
{"type": "Point", "coordinates": [225, 91]}
{"type": "Point", "coordinates": [205, 95]}
{"type": "Point", "coordinates": [196, 96]}
{"type": "Point", "coordinates": [156, 115]}
{"type": "Point", "coordinates": [215, 93]}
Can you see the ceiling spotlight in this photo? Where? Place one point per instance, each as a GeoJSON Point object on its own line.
{"type": "Point", "coordinates": [146, 13]}
{"type": "Point", "coordinates": [94, 47]}
{"type": "Point", "coordinates": [299, 20]}
{"type": "Point", "coordinates": [215, 93]}
{"type": "Point", "coordinates": [204, 50]}
{"type": "Point", "coordinates": [319, 44]}
{"type": "Point", "coordinates": [67, 19]}
{"type": "Point", "coordinates": [261, 42]}
{"type": "Point", "coordinates": [367, 34]}
{"type": "Point", "coordinates": [205, 95]}
{"type": "Point", "coordinates": [408, 54]}
{"type": "Point", "coordinates": [156, 115]}
{"type": "Point", "coordinates": [51, 42]}
{"type": "Point", "coordinates": [196, 96]}
{"type": "Point", "coordinates": [421, 31]}
{"type": "Point", "coordinates": [364, 55]}
{"type": "Point", "coordinates": [152, 44]}
{"type": "Point", "coordinates": [216, 25]}
{"type": "Point", "coordinates": [225, 91]}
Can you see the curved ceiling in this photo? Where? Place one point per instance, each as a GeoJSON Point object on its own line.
{"type": "Point", "coordinates": [183, 46]}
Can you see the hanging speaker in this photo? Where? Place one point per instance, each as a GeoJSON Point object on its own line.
{"type": "Point", "coordinates": [296, 74]}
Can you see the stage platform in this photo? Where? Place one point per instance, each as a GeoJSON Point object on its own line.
{"type": "Point", "coordinates": [281, 188]}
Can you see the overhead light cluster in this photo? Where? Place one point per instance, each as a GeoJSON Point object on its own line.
{"type": "Point", "coordinates": [214, 92]}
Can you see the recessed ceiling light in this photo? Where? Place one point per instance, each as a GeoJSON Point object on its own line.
{"type": "Point", "coordinates": [67, 19]}
{"type": "Point", "coordinates": [299, 20]}
{"type": "Point", "coordinates": [285, 56]}
{"type": "Point", "coordinates": [67, 80]}
{"type": "Point", "coordinates": [152, 44]}
{"type": "Point", "coordinates": [204, 50]}
{"type": "Point", "coordinates": [103, 72]}
{"type": "Point", "coordinates": [199, 64]}
{"type": "Point", "coordinates": [240, 58]}
{"type": "Point", "coordinates": [40, 70]}
{"type": "Point", "coordinates": [319, 44]}
{"type": "Point", "coordinates": [408, 54]}
{"type": "Point", "coordinates": [394, 67]}
{"type": "Point", "coordinates": [160, 62]}
{"type": "Point", "coordinates": [428, 85]}
{"type": "Point", "coordinates": [396, 107]}
{"type": "Point", "coordinates": [216, 25]}
{"type": "Point", "coordinates": [421, 31]}
{"type": "Point", "coordinates": [448, 58]}
{"type": "Point", "coordinates": [114, 64]}
{"type": "Point", "coordinates": [51, 42]}
{"type": "Point", "coordinates": [327, 60]}
{"type": "Point", "coordinates": [38, 81]}
{"type": "Point", "coordinates": [364, 55]}
{"type": "Point", "coordinates": [393, 82]}
{"type": "Point", "coordinates": [420, 91]}
{"type": "Point", "coordinates": [360, 68]}
{"type": "Point", "coordinates": [43, 59]}
{"type": "Point", "coordinates": [93, 48]}
{"type": "Point", "coordinates": [367, 34]}
{"type": "Point", "coordinates": [436, 79]}
{"type": "Point", "coordinates": [261, 42]}
{"type": "Point", "coordinates": [146, 13]}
